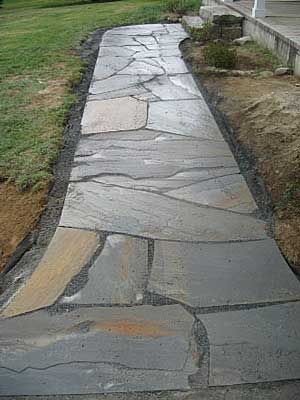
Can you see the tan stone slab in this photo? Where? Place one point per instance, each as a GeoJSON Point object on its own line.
{"type": "Point", "coordinates": [68, 252]}
{"type": "Point", "coordinates": [117, 114]}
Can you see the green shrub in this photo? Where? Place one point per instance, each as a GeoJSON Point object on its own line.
{"type": "Point", "coordinates": [220, 55]}
{"type": "Point", "coordinates": [206, 33]}
{"type": "Point", "coordinates": [181, 6]}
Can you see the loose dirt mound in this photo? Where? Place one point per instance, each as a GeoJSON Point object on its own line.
{"type": "Point", "coordinates": [19, 213]}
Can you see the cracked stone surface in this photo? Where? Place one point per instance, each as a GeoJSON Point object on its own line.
{"type": "Point", "coordinates": [117, 82]}
{"type": "Point", "coordinates": [157, 212]}
{"type": "Point", "coordinates": [118, 275]}
{"type": "Point", "coordinates": [119, 349]}
{"type": "Point", "coordinates": [143, 67]}
{"type": "Point", "coordinates": [256, 345]}
{"type": "Point", "coordinates": [107, 66]}
{"type": "Point", "coordinates": [153, 216]}
{"type": "Point", "coordinates": [145, 153]}
{"type": "Point", "coordinates": [207, 275]}
{"type": "Point", "coordinates": [173, 87]}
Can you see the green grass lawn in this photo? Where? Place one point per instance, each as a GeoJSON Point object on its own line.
{"type": "Point", "coordinates": [39, 64]}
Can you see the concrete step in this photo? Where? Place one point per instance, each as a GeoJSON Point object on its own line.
{"type": "Point", "coordinates": [220, 15]}
{"type": "Point", "coordinates": [192, 22]}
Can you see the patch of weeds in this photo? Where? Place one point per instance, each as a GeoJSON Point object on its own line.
{"type": "Point", "coordinates": [181, 7]}
{"type": "Point", "coordinates": [220, 55]}
{"type": "Point", "coordinates": [258, 57]}
{"type": "Point", "coordinates": [205, 33]}
{"type": "Point", "coordinates": [290, 198]}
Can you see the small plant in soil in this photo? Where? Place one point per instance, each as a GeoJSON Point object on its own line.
{"type": "Point", "coordinates": [220, 55]}
{"type": "Point", "coordinates": [205, 33]}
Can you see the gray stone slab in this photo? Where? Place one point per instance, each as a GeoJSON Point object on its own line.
{"type": "Point", "coordinates": [97, 350]}
{"type": "Point", "coordinates": [174, 38]}
{"type": "Point", "coordinates": [92, 205]}
{"type": "Point", "coordinates": [107, 66]}
{"type": "Point", "coordinates": [145, 40]}
{"type": "Point", "coordinates": [117, 82]}
{"type": "Point", "coordinates": [186, 117]}
{"type": "Point", "coordinates": [221, 14]}
{"type": "Point", "coordinates": [118, 275]}
{"type": "Point", "coordinates": [192, 22]}
{"type": "Point", "coordinates": [206, 275]}
{"type": "Point", "coordinates": [250, 346]}
{"type": "Point", "coordinates": [229, 192]}
{"type": "Point", "coordinates": [163, 184]}
{"type": "Point", "coordinates": [133, 30]}
{"type": "Point", "coordinates": [146, 54]}
{"type": "Point", "coordinates": [115, 51]}
{"type": "Point", "coordinates": [143, 67]}
{"type": "Point", "coordinates": [174, 28]}
{"type": "Point", "coordinates": [113, 115]}
{"type": "Point", "coordinates": [149, 154]}
{"type": "Point", "coordinates": [119, 40]}
{"type": "Point", "coordinates": [173, 65]}
{"type": "Point", "coordinates": [173, 87]}
{"type": "Point", "coordinates": [169, 52]}
{"type": "Point", "coordinates": [138, 92]}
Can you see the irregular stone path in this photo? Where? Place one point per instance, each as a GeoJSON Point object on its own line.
{"type": "Point", "coordinates": [160, 275]}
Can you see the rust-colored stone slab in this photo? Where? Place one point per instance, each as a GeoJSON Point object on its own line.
{"type": "Point", "coordinates": [68, 252]}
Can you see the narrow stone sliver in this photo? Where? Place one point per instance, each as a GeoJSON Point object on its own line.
{"type": "Point", "coordinates": [158, 223]}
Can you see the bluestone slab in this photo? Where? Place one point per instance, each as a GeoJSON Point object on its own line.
{"type": "Point", "coordinates": [98, 350]}
{"type": "Point", "coordinates": [92, 205]}
{"type": "Point", "coordinates": [229, 192]}
{"type": "Point", "coordinates": [185, 117]}
{"type": "Point", "coordinates": [251, 346]}
{"type": "Point", "coordinates": [150, 154]}
{"type": "Point", "coordinates": [206, 275]}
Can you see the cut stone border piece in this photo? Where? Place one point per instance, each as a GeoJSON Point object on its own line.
{"type": "Point", "coordinates": [251, 346]}
{"type": "Point", "coordinates": [68, 252]}
{"type": "Point", "coordinates": [207, 275]}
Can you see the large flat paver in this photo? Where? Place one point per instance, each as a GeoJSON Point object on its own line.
{"type": "Point", "coordinates": [149, 154]}
{"type": "Point", "coordinates": [184, 117]}
{"type": "Point", "coordinates": [97, 350]}
{"type": "Point", "coordinates": [153, 216]}
{"type": "Point", "coordinates": [252, 346]}
{"type": "Point", "coordinates": [207, 275]}
{"type": "Point", "coordinates": [157, 212]}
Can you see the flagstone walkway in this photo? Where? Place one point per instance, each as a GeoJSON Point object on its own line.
{"type": "Point", "coordinates": [160, 274]}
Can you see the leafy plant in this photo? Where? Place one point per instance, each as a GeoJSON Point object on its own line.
{"type": "Point", "coordinates": [206, 33]}
{"type": "Point", "coordinates": [220, 55]}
